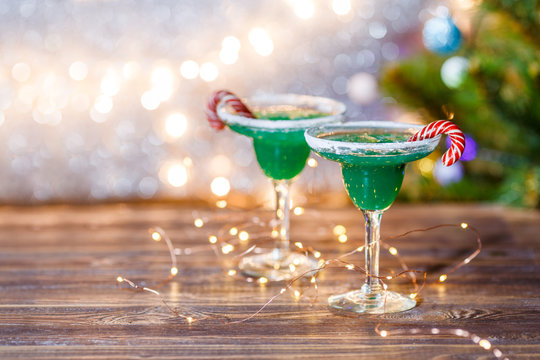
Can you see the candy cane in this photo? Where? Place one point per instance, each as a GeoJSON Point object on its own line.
{"type": "Point", "coordinates": [444, 127]}
{"type": "Point", "coordinates": [231, 99]}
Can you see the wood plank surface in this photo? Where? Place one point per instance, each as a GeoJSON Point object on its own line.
{"type": "Point", "coordinates": [59, 298]}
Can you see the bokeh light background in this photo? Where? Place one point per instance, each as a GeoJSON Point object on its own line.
{"type": "Point", "coordinates": [103, 100]}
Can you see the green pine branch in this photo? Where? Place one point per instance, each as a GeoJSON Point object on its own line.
{"type": "Point", "coordinates": [498, 101]}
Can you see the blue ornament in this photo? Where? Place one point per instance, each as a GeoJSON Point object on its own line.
{"type": "Point", "coordinates": [441, 35]}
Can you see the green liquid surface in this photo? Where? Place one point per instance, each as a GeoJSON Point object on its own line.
{"type": "Point", "coordinates": [373, 179]}
{"type": "Point", "coordinates": [281, 153]}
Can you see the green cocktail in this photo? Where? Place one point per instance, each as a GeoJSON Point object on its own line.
{"type": "Point", "coordinates": [281, 151]}
{"type": "Point", "coordinates": [372, 180]}
{"type": "Point", "coordinates": [281, 155]}
{"type": "Point", "coordinates": [373, 155]}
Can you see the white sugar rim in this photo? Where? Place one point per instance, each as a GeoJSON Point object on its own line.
{"type": "Point", "coordinates": [347, 147]}
{"type": "Point", "coordinates": [326, 105]}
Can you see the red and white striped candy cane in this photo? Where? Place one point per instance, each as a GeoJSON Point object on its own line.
{"type": "Point", "coordinates": [231, 99]}
{"type": "Point", "coordinates": [444, 127]}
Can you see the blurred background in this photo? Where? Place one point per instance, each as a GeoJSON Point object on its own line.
{"type": "Point", "coordinates": [103, 100]}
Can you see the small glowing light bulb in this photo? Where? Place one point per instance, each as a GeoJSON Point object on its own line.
{"type": "Point", "coordinates": [198, 222]}
{"type": "Point", "coordinates": [189, 319]}
{"type": "Point", "coordinates": [176, 125]}
{"type": "Point", "coordinates": [227, 248]}
{"type": "Point", "coordinates": [243, 236]}
{"type": "Point", "coordinates": [298, 210]}
{"type": "Point", "coordinates": [296, 294]}
{"type": "Point", "coordinates": [150, 100]}
{"type": "Point", "coordinates": [262, 280]}
{"type": "Point", "coordinates": [304, 9]}
{"type": "Point", "coordinates": [292, 267]}
{"type": "Point", "coordinates": [464, 225]}
{"type": "Point", "coordinates": [413, 295]}
{"type": "Point", "coordinates": [443, 278]}
{"type": "Point", "coordinates": [189, 69]}
{"type": "Point", "coordinates": [299, 245]}
{"type": "Point", "coordinates": [384, 333]}
{"type": "Point", "coordinates": [342, 238]}
{"type": "Point", "coordinates": [339, 230]}
{"type": "Point", "coordinates": [393, 251]}
{"type": "Point", "coordinates": [231, 43]}
{"type": "Point", "coordinates": [261, 41]}
{"type": "Point", "coordinates": [228, 56]}
{"type": "Point", "coordinates": [212, 239]}
{"type": "Point", "coordinates": [78, 71]}
{"type": "Point", "coordinates": [174, 271]}
{"type": "Point", "coordinates": [208, 72]}
{"type": "Point", "coordinates": [231, 272]}
{"type": "Point", "coordinates": [120, 279]}
{"type": "Point", "coordinates": [317, 254]}
{"type": "Point", "coordinates": [485, 344]}
{"type": "Point", "coordinates": [177, 175]}
{"type": "Point", "coordinates": [156, 236]}
{"type": "Point", "coordinates": [341, 7]}
{"type": "Point", "coordinates": [233, 231]}
{"type": "Point", "coordinates": [312, 162]}
{"type": "Point", "coordinates": [220, 186]}
{"type": "Point", "coordinates": [103, 104]}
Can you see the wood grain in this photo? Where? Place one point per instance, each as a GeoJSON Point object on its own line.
{"type": "Point", "coordinates": [59, 298]}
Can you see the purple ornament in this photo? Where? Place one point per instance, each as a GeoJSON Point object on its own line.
{"type": "Point", "coordinates": [470, 148]}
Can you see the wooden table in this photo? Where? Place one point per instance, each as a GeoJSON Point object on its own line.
{"type": "Point", "coordinates": [59, 298]}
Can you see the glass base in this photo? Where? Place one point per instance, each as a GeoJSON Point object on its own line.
{"type": "Point", "coordinates": [364, 302]}
{"type": "Point", "coordinates": [276, 265]}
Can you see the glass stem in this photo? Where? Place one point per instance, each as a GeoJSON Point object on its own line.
{"type": "Point", "coordinates": [372, 218]}
{"type": "Point", "coordinates": [281, 227]}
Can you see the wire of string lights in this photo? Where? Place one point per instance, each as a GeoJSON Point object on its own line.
{"type": "Point", "coordinates": [238, 233]}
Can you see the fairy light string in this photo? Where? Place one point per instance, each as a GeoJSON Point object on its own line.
{"type": "Point", "coordinates": [232, 237]}
{"type": "Point", "coordinates": [483, 343]}
{"type": "Point", "coordinates": [157, 234]}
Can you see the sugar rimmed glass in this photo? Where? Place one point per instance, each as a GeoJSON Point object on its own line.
{"type": "Point", "coordinates": [281, 151]}
{"type": "Point", "coordinates": [373, 156]}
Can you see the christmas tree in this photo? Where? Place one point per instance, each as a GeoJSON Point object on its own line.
{"type": "Point", "coordinates": [489, 83]}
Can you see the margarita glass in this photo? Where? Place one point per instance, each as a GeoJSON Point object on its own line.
{"type": "Point", "coordinates": [373, 155]}
{"type": "Point", "coordinates": [281, 151]}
